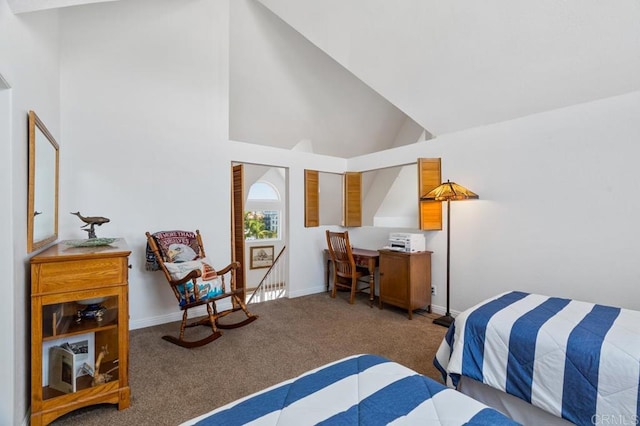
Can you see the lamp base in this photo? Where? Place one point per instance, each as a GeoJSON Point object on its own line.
{"type": "Point", "coordinates": [444, 321]}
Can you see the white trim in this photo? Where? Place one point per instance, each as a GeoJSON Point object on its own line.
{"type": "Point", "coordinates": [307, 292]}
{"type": "Point", "coordinates": [441, 310]}
{"type": "Point", "coordinates": [152, 321]}
{"type": "Point", "coordinates": [8, 335]}
{"type": "Point", "coordinates": [436, 309]}
{"type": "Point", "coordinates": [199, 311]}
{"type": "Point", "coordinates": [27, 418]}
{"type": "Point", "coordinates": [176, 316]}
{"type": "Point", "coordinates": [4, 84]}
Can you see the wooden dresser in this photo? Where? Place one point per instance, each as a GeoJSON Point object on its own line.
{"type": "Point", "coordinates": [405, 280]}
{"type": "Point", "coordinates": [79, 295]}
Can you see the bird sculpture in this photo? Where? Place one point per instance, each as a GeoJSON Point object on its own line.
{"type": "Point", "coordinates": [91, 221]}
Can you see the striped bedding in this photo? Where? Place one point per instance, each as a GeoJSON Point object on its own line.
{"type": "Point", "coordinates": [358, 390]}
{"type": "Point", "coordinates": [576, 360]}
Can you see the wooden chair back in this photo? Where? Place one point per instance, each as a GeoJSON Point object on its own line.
{"type": "Point", "coordinates": [341, 254]}
{"type": "Point", "coordinates": [162, 257]}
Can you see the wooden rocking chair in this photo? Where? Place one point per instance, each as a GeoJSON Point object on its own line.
{"type": "Point", "coordinates": [197, 287]}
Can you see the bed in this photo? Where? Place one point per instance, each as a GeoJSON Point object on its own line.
{"type": "Point", "coordinates": [575, 360]}
{"type": "Point", "coordinates": [358, 390]}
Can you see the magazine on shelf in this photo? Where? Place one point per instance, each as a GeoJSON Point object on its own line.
{"type": "Point", "coordinates": [68, 360]}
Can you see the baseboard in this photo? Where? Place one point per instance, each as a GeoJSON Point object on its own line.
{"type": "Point", "coordinates": [307, 292]}
{"type": "Point", "coordinates": [175, 316]}
{"type": "Point", "coordinates": [201, 310]}
{"type": "Point", "coordinates": [436, 309]}
{"type": "Point", "coordinates": [441, 310]}
{"type": "Point", "coordinates": [151, 321]}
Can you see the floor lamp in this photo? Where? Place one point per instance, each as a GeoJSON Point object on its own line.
{"type": "Point", "coordinates": [448, 191]}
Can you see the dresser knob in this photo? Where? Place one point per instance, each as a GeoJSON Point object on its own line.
{"type": "Point", "coordinates": [130, 266]}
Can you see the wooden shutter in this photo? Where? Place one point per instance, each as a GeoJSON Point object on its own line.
{"type": "Point", "coordinates": [352, 199]}
{"type": "Point", "coordinates": [311, 198]}
{"type": "Point", "coordinates": [237, 224]}
{"type": "Point", "coordinates": [429, 176]}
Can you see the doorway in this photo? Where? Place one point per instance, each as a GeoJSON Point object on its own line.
{"type": "Point", "coordinates": [260, 228]}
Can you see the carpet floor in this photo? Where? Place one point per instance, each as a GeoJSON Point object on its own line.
{"type": "Point", "coordinates": [170, 384]}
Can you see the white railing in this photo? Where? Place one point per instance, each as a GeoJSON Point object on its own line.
{"type": "Point", "coordinates": [273, 284]}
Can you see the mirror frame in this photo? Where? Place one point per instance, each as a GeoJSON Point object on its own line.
{"type": "Point", "coordinates": [35, 122]}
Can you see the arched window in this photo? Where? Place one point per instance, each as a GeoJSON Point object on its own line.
{"type": "Point", "coordinates": [262, 224]}
{"type": "Point", "coordinates": [263, 191]}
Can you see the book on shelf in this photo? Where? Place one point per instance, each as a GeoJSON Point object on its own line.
{"type": "Point", "coordinates": [68, 361]}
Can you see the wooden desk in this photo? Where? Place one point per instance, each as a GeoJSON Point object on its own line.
{"type": "Point", "coordinates": [363, 257]}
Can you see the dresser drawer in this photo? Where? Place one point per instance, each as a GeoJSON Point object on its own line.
{"type": "Point", "coordinates": [79, 274]}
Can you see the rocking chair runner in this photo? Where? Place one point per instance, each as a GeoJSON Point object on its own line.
{"type": "Point", "coordinates": [191, 292]}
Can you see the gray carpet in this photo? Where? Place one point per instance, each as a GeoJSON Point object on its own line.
{"type": "Point", "coordinates": [170, 384]}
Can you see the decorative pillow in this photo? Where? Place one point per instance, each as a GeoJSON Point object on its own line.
{"type": "Point", "coordinates": [177, 246]}
{"type": "Point", "coordinates": [174, 246]}
{"type": "Point", "coordinates": [182, 269]}
{"type": "Point", "coordinates": [209, 284]}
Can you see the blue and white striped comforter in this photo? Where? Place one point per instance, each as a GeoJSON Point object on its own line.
{"type": "Point", "coordinates": [359, 390]}
{"type": "Point", "coordinates": [576, 360]}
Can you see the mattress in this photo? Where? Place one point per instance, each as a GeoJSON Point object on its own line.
{"type": "Point", "coordinates": [576, 360]}
{"type": "Point", "coordinates": [358, 390]}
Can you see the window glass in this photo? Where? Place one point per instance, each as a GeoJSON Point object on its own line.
{"type": "Point", "coordinates": [261, 223]}
{"type": "Point", "coordinates": [263, 191]}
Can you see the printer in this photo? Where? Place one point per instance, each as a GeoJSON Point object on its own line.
{"type": "Point", "coordinates": [406, 241]}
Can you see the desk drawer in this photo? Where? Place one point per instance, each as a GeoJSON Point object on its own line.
{"type": "Point", "coordinates": [79, 274]}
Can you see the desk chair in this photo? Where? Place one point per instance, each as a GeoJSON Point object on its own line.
{"type": "Point", "coordinates": [346, 274]}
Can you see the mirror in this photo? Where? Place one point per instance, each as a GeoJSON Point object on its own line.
{"type": "Point", "coordinates": [389, 197]}
{"type": "Point", "coordinates": [42, 206]}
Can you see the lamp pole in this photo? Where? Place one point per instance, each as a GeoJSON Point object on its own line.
{"type": "Point", "coordinates": [447, 319]}
{"type": "Point", "coordinates": [448, 314]}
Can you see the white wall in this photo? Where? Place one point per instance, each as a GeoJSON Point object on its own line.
{"type": "Point", "coordinates": [145, 104]}
{"type": "Point", "coordinates": [29, 62]}
{"type": "Point", "coordinates": [330, 193]}
{"type": "Point", "coordinates": [557, 212]}
{"type": "Point", "coordinates": [145, 109]}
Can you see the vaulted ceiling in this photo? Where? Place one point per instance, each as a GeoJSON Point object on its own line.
{"type": "Point", "coordinates": [286, 92]}
{"type": "Point", "coordinates": [456, 65]}
{"type": "Point", "coordinates": [349, 77]}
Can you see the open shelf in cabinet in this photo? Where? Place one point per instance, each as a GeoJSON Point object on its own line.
{"type": "Point", "coordinates": [84, 382]}
{"type": "Point", "coordinates": [68, 326]}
